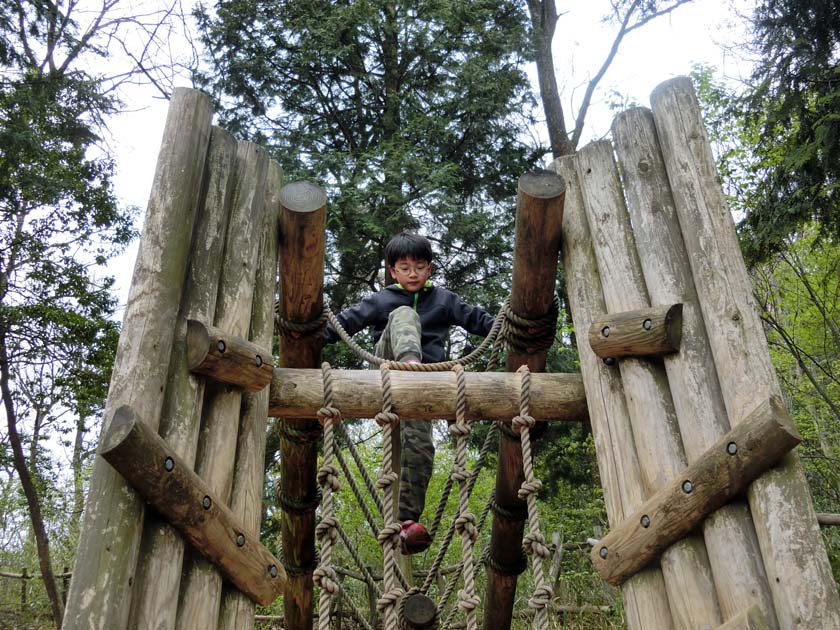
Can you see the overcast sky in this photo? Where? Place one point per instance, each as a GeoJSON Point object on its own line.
{"type": "Point", "coordinates": [700, 32]}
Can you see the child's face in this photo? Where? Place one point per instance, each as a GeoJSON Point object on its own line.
{"type": "Point", "coordinates": [411, 273]}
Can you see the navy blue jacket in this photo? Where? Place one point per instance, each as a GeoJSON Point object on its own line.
{"type": "Point", "coordinates": [438, 309]}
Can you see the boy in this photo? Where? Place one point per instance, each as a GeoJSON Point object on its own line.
{"type": "Point", "coordinates": [411, 321]}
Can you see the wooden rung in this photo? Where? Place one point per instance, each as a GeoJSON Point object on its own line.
{"type": "Point", "coordinates": [828, 520]}
{"type": "Point", "coordinates": [298, 393]}
{"type": "Point", "coordinates": [645, 332]}
{"type": "Point", "coordinates": [722, 472]}
{"type": "Point", "coordinates": [181, 497]}
{"type": "Point", "coordinates": [226, 358]}
{"type": "Point", "coordinates": [751, 619]}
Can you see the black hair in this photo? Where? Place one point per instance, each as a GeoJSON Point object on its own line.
{"type": "Point", "coordinates": [408, 245]}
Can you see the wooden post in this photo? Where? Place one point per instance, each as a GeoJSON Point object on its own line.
{"type": "Point", "coordinates": [685, 565]}
{"type": "Point", "coordinates": [539, 215]}
{"type": "Point", "coordinates": [162, 548]}
{"type": "Point", "coordinates": [644, 594]}
{"type": "Point", "coordinates": [237, 611]}
{"type": "Point", "coordinates": [800, 577]}
{"type": "Point", "coordinates": [490, 395]}
{"type": "Point", "coordinates": [106, 557]}
{"type": "Point", "coordinates": [23, 588]}
{"type": "Point", "coordinates": [729, 534]}
{"type": "Point", "coordinates": [201, 584]}
{"type": "Point", "coordinates": [419, 613]}
{"type": "Point", "coordinates": [303, 215]}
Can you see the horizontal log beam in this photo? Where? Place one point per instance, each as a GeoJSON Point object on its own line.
{"type": "Point", "coordinates": [227, 358]}
{"type": "Point", "coordinates": [645, 332]}
{"type": "Point", "coordinates": [184, 499]}
{"type": "Point", "coordinates": [299, 393]}
{"type": "Point", "coordinates": [828, 520]}
{"type": "Point", "coordinates": [722, 472]}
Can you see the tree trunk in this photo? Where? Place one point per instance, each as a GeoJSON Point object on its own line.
{"type": "Point", "coordinates": [33, 503]}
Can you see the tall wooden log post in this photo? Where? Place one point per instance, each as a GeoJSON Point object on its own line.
{"type": "Point", "coordinates": [303, 216]}
{"type": "Point", "coordinates": [730, 537]}
{"type": "Point", "coordinates": [539, 214]}
{"type": "Point", "coordinates": [153, 604]}
{"type": "Point", "coordinates": [201, 586]}
{"type": "Point", "coordinates": [237, 612]}
{"type": "Point", "coordinates": [795, 560]}
{"type": "Point", "coordinates": [106, 558]}
{"type": "Point", "coordinates": [645, 597]}
{"type": "Point", "coordinates": [685, 565]}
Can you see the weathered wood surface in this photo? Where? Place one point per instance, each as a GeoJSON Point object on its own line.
{"type": "Point", "coordinates": [721, 473]}
{"type": "Point", "coordinates": [828, 520]}
{"type": "Point", "coordinates": [798, 571]}
{"type": "Point", "coordinates": [751, 619]}
{"type": "Point", "coordinates": [303, 216]}
{"type": "Point", "coordinates": [201, 585]}
{"type": "Point", "coordinates": [106, 558]}
{"type": "Point", "coordinates": [237, 611]}
{"type": "Point", "coordinates": [729, 534]}
{"type": "Point", "coordinates": [227, 358]}
{"type": "Point", "coordinates": [154, 603]}
{"type": "Point", "coordinates": [645, 596]}
{"type": "Point", "coordinates": [298, 393]}
{"type": "Point", "coordinates": [185, 500]}
{"type": "Point", "coordinates": [646, 332]}
{"type": "Point", "coordinates": [685, 566]}
{"type": "Point", "coordinates": [539, 216]}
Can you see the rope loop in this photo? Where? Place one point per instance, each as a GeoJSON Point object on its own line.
{"type": "Point", "coordinates": [541, 598]}
{"type": "Point", "coordinates": [520, 422]}
{"type": "Point", "coordinates": [327, 579]}
{"type": "Point", "coordinates": [388, 418]}
{"type": "Point", "coordinates": [288, 328]}
{"type": "Point", "coordinates": [386, 480]}
{"type": "Point", "coordinates": [468, 602]}
{"type": "Point", "coordinates": [329, 414]}
{"type": "Point", "coordinates": [466, 523]}
{"type": "Point", "coordinates": [328, 477]}
{"type": "Point", "coordinates": [534, 544]}
{"type": "Point", "coordinates": [389, 599]}
{"type": "Point", "coordinates": [388, 532]}
{"type": "Point", "coordinates": [529, 487]}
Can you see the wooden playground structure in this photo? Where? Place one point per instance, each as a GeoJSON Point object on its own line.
{"type": "Point", "coordinates": [711, 520]}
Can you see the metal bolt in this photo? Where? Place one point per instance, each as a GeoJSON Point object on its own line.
{"type": "Point", "coordinates": [169, 464]}
{"type": "Point", "coordinates": [258, 361]}
{"type": "Point", "coordinates": [272, 570]}
{"type": "Point", "coordinates": [603, 553]}
{"type": "Point", "coordinates": [206, 502]}
{"type": "Point", "coordinates": [220, 344]}
{"type": "Point", "coordinates": [732, 448]}
{"type": "Point", "coordinates": [605, 331]}
{"type": "Point", "coordinates": [240, 540]}
{"type": "Point", "coordinates": [687, 486]}
{"type": "Point", "coordinates": [645, 521]}
{"type": "Point", "coordinates": [609, 361]}
{"type": "Point", "coordinates": [647, 324]}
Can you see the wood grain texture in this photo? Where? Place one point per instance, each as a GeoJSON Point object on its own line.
{"type": "Point", "coordinates": [298, 393]}
{"type": "Point", "coordinates": [646, 332]}
{"type": "Point", "coordinates": [800, 578]}
{"type": "Point", "coordinates": [201, 585]}
{"type": "Point", "coordinates": [155, 600]}
{"type": "Point", "coordinates": [645, 597]}
{"type": "Point", "coordinates": [189, 504]}
{"type": "Point", "coordinates": [227, 358]}
{"type": "Point", "coordinates": [302, 218]}
{"type": "Point", "coordinates": [729, 534]}
{"type": "Point", "coordinates": [237, 610]}
{"type": "Point", "coordinates": [539, 216]}
{"type": "Point", "coordinates": [759, 442]}
{"type": "Point", "coordinates": [751, 619]}
{"type": "Point", "coordinates": [106, 558]}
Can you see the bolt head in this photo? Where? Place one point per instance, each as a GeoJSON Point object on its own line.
{"type": "Point", "coordinates": [272, 570]}
{"type": "Point", "coordinates": [610, 361]}
{"type": "Point", "coordinates": [220, 344]}
{"type": "Point", "coordinates": [645, 521]}
{"type": "Point", "coordinates": [603, 552]}
{"type": "Point", "coordinates": [732, 448]}
{"type": "Point", "coordinates": [647, 324]}
{"type": "Point", "coordinates": [687, 486]}
{"type": "Point", "coordinates": [206, 502]}
{"type": "Point", "coordinates": [169, 464]}
{"type": "Point", "coordinates": [258, 361]}
{"type": "Point", "coordinates": [240, 540]}
{"type": "Point", "coordinates": [605, 331]}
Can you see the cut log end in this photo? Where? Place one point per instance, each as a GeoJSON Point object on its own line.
{"type": "Point", "coordinates": [121, 425]}
{"type": "Point", "coordinates": [542, 184]}
{"type": "Point", "coordinates": [302, 197]}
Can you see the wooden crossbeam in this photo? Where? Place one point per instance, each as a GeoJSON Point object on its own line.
{"type": "Point", "coordinates": [298, 393]}
{"type": "Point", "coordinates": [644, 332]}
{"type": "Point", "coordinates": [227, 358]}
{"type": "Point", "coordinates": [724, 471]}
{"type": "Point", "coordinates": [184, 499]}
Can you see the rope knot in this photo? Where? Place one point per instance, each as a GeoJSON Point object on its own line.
{"type": "Point", "coordinates": [326, 578]}
{"type": "Point", "coordinates": [460, 429]}
{"type": "Point", "coordinates": [386, 418]}
{"type": "Point", "coordinates": [388, 532]}
{"type": "Point", "coordinates": [328, 477]}
{"type": "Point", "coordinates": [534, 544]}
{"type": "Point", "coordinates": [385, 480]}
{"type": "Point", "coordinates": [541, 598]}
{"type": "Point", "coordinates": [327, 527]}
{"type": "Point", "coordinates": [389, 599]}
{"type": "Point", "coordinates": [528, 488]}
{"type": "Point", "coordinates": [523, 422]}
{"type": "Point", "coordinates": [329, 414]}
{"type": "Point", "coordinates": [467, 602]}
{"type": "Point", "coordinates": [466, 523]}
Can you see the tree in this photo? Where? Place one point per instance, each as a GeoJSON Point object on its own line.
{"type": "Point", "coordinates": [792, 103]}
{"type": "Point", "coordinates": [59, 221]}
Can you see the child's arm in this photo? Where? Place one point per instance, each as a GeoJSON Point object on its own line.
{"type": "Point", "coordinates": [474, 319]}
{"type": "Point", "coordinates": [354, 319]}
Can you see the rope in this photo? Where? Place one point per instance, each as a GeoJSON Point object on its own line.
{"type": "Point", "coordinates": [325, 575]}
{"type": "Point", "coordinates": [534, 542]}
{"type": "Point", "coordinates": [465, 522]}
{"type": "Point", "coordinates": [289, 328]}
{"type": "Point", "coordinates": [389, 535]}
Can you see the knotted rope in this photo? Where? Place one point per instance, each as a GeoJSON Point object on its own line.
{"type": "Point", "coordinates": [533, 542]}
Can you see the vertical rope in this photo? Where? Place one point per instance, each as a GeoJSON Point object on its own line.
{"type": "Point", "coordinates": [326, 531]}
{"type": "Point", "coordinates": [465, 522]}
{"type": "Point", "coordinates": [534, 542]}
{"type": "Point", "coordinates": [389, 535]}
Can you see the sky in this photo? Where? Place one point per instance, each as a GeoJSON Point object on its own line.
{"type": "Point", "coordinates": [704, 31]}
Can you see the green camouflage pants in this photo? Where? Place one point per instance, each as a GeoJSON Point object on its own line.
{"type": "Point", "coordinates": [401, 341]}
